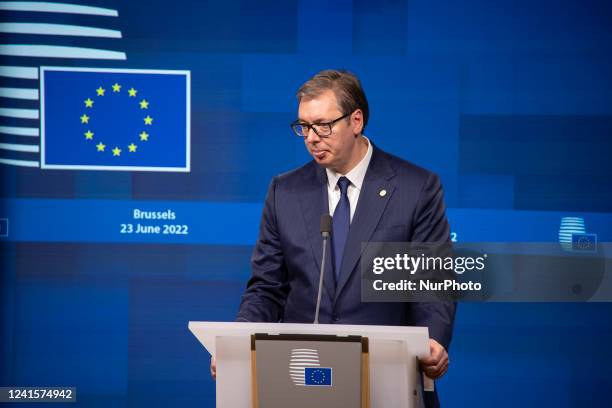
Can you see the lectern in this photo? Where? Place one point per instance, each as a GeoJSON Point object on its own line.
{"type": "Point", "coordinates": [394, 378]}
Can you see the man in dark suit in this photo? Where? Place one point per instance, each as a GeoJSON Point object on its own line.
{"type": "Point", "coordinates": [372, 195]}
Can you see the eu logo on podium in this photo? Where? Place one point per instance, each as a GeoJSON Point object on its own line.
{"type": "Point", "coordinates": [584, 242]}
{"type": "Point", "coordinates": [318, 376]}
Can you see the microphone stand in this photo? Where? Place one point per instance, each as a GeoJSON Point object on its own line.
{"type": "Point", "coordinates": [326, 222]}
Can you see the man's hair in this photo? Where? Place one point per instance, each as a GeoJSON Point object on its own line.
{"type": "Point", "coordinates": [345, 86]}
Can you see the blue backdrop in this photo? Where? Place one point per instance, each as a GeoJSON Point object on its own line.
{"type": "Point", "coordinates": [509, 101]}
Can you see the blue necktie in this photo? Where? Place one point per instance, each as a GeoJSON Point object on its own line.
{"type": "Point", "coordinates": [341, 223]}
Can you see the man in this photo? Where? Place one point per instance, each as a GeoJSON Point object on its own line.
{"type": "Point", "coordinates": [373, 196]}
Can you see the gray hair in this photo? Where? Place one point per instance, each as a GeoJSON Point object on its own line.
{"type": "Point", "coordinates": [346, 87]}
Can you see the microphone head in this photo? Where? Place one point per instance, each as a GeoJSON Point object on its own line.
{"type": "Point", "coordinates": [326, 224]}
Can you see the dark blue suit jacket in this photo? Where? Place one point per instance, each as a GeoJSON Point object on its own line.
{"type": "Point", "coordinates": [287, 256]}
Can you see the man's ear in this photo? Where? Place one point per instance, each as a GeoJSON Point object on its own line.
{"type": "Point", "coordinates": [357, 122]}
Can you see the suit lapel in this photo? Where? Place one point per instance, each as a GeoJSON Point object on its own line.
{"type": "Point", "coordinates": [370, 208]}
{"type": "Point", "coordinates": [314, 203]}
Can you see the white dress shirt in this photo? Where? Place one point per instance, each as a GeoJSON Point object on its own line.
{"type": "Point", "coordinates": [355, 176]}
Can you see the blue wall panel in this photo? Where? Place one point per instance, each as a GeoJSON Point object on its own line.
{"type": "Point", "coordinates": [508, 101]}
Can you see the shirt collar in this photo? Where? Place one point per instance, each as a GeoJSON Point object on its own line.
{"type": "Point", "coordinates": [357, 173]}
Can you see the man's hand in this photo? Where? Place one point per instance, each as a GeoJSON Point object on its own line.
{"type": "Point", "coordinates": [436, 364]}
{"type": "Point", "coordinates": [213, 368]}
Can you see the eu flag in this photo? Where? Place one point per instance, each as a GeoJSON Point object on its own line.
{"type": "Point", "coordinates": [318, 376]}
{"type": "Point", "coordinates": [584, 242]}
{"type": "Point", "coordinates": [115, 119]}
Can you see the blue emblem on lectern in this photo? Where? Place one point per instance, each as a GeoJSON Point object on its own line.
{"type": "Point", "coordinates": [318, 376]}
{"type": "Point", "coordinates": [584, 242]}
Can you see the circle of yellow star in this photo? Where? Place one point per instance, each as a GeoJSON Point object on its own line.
{"type": "Point", "coordinates": [101, 146]}
{"type": "Point", "coordinates": [84, 118]}
{"type": "Point", "coordinates": [144, 136]}
{"type": "Point", "coordinates": [89, 135]}
{"type": "Point", "coordinates": [100, 91]}
{"type": "Point", "coordinates": [89, 103]}
{"type": "Point", "coordinates": [116, 151]}
{"type": "Point", "coordinates": [132, 147]}
{"type": "Point", "coordinates": [148, 120]}
{"type": "Point", "coordinates": [144, 104]}
{"type": "Point", "coordinates": [116, 87]}
{"type": "Point", "coordinates": [132, 92]}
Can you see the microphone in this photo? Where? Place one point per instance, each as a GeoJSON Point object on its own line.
{"type": "Point", "coordinates": [326, 229]}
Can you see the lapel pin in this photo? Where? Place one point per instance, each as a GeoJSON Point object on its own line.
{"type": "Point", "coordinates": [382, 193]}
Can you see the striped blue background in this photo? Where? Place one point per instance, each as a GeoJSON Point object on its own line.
{"type": "Point", "coordinates": [510, 102]}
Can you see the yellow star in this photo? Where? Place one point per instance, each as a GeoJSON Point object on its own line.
{"type": "Point", "coordinates": [84, 119]}
{"type": "Point", "coordinates": [116, 87]}
{"type": "Point", "coordinates": [144, 104]}
{"type": "Point", "coordinates": [89, 135]}
{"type": "Point", "coordinates": [144, 136]}
{"type": "Point", "coordinates": [148, 120]}
{"type": "Point", "coordinates": [116, 151]}
{"type": "Point", "coordinates": [88, 103]}
{"type": "Point", "coordinates": [132, 92]}
{"type": "Point", "coordinates": [132, 147]}
{"type": "Point", "coordinates": [100, 91]}
{"type": "Point", "coordinates": [101, 146]}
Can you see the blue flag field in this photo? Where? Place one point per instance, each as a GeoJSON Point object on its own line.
{"type": "Point", "coordinates": [115, 119]}
{"type": "Point", "coordinates": [318, 376]}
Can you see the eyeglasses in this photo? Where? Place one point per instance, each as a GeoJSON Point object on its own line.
{"type": "Point", "coordinates": [321, 129]}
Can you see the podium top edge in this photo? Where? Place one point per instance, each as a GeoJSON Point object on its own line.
{"type": "Point", "coordinates": [208, 332]}
{"type": "Point", "coordinates": [242, 328]}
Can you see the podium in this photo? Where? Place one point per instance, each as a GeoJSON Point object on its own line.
{"type": "Point", "coordinates": [394, 376]}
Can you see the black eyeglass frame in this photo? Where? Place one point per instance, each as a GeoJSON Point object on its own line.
{"type": "Point", "coordinates": [294, 126]}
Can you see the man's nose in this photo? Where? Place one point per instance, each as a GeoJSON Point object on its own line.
{"type": "Point", "coordinates": [311, 136]}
